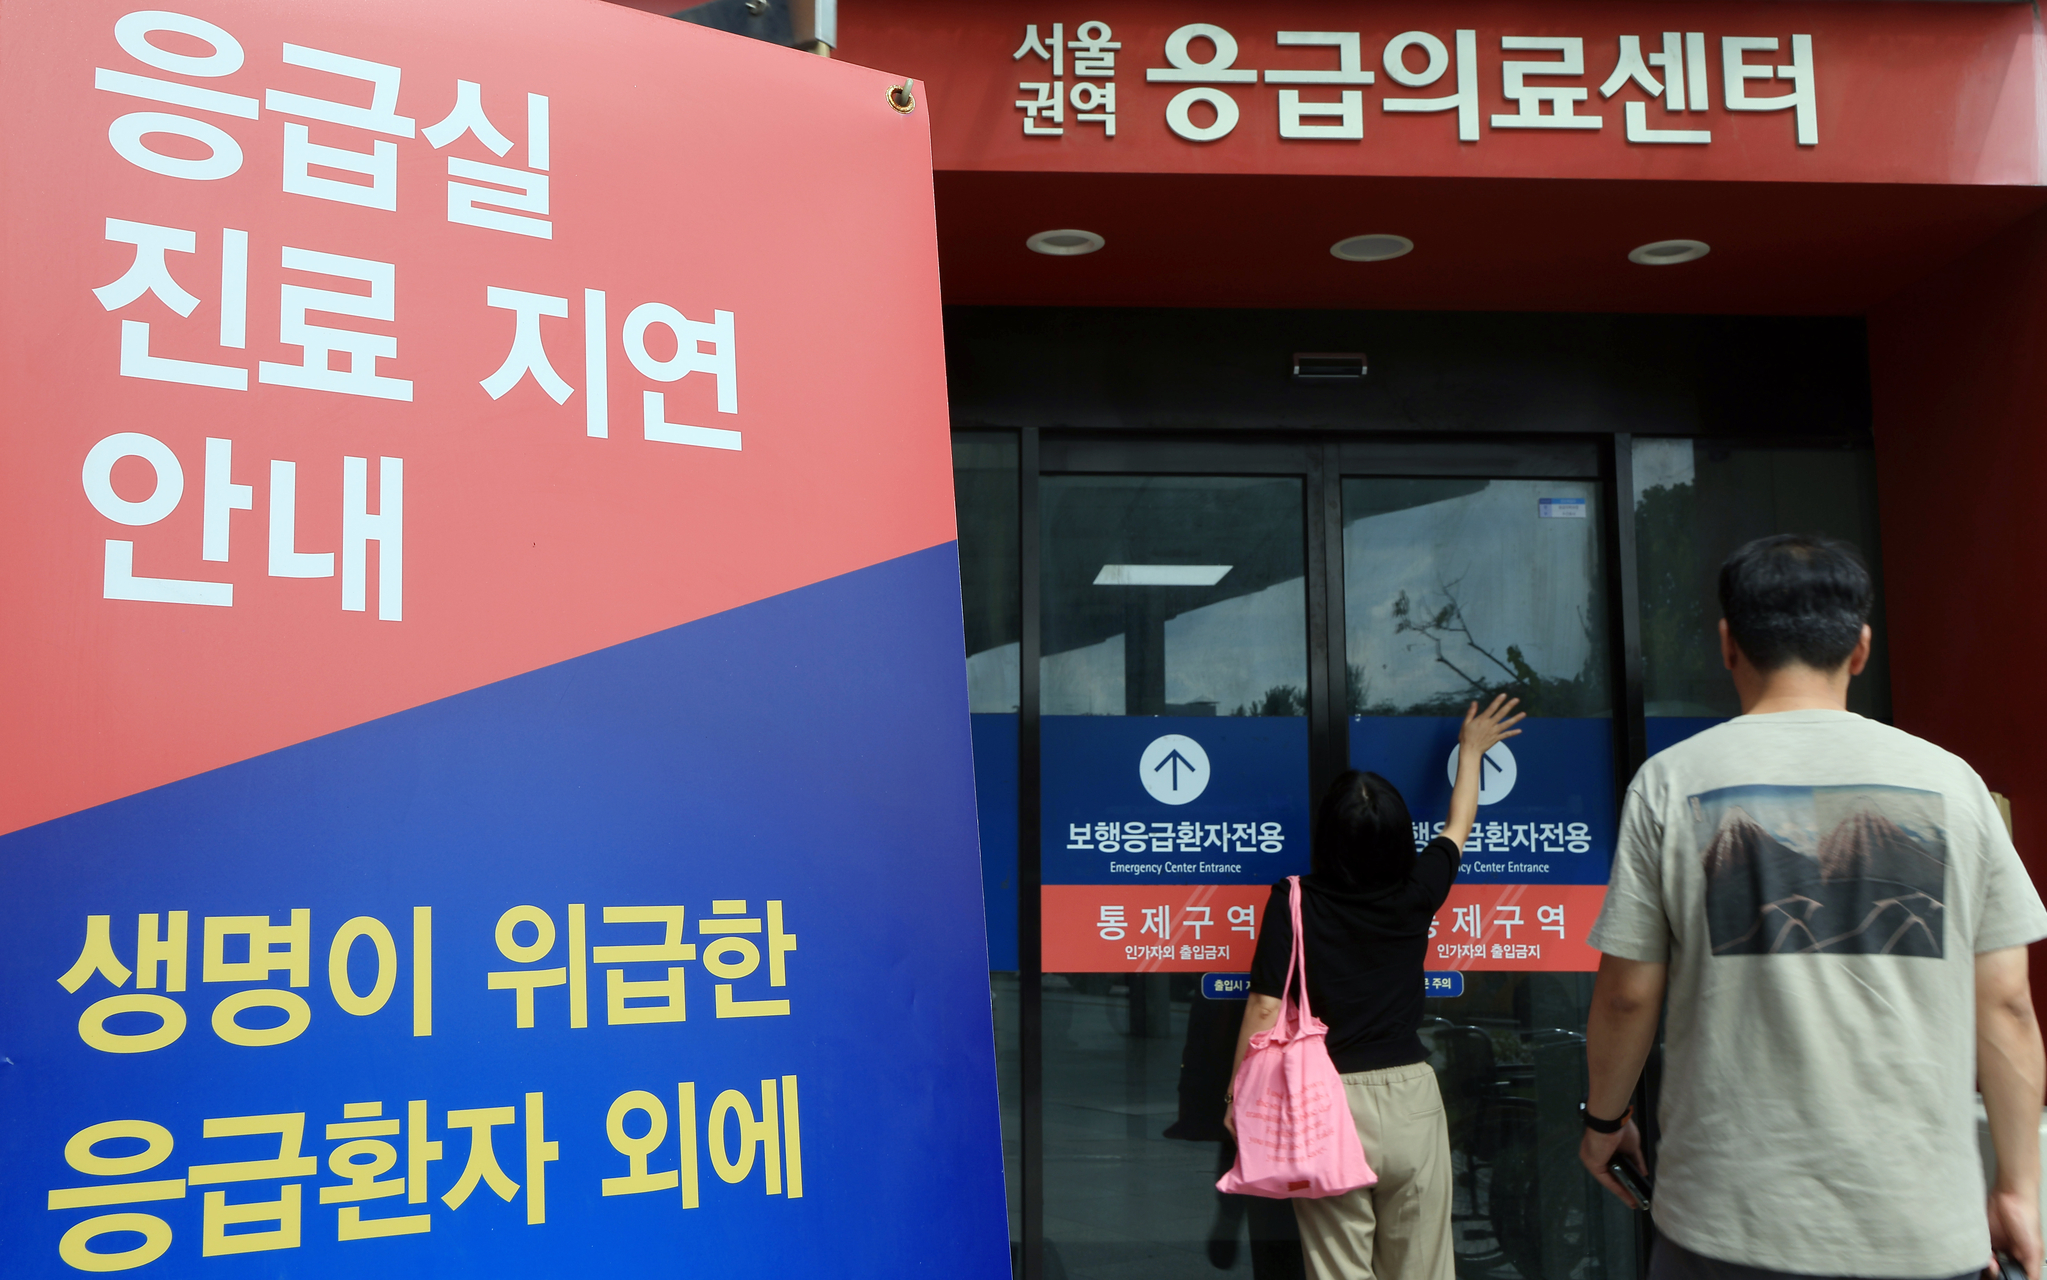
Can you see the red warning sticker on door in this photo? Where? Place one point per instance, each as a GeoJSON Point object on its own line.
{"type": "Point", "coordinates": [1121, 928]}
{"type": "Point", "coordinates": [1151, 928]}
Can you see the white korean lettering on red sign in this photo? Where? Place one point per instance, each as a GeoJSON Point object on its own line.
{"type": "Point", "coordinates": [1664, 81]}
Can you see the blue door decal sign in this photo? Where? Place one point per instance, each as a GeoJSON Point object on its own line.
{"type": "Point", "coordinates": [1174, 799]}
{"type": "Point", "coordinates": [1546, 800]}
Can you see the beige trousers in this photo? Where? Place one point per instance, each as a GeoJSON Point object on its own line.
{"type": "Point", "coordinates": [1398, 1229]}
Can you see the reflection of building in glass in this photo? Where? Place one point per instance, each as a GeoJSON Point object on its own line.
{"type": "Point", "coordinates": [1231, 654]}
{"type": "Point", "coordinates": [1144, 640]}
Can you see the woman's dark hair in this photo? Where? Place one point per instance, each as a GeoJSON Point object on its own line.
{"type": "Point", "coordinates": [1363, 837]}
{"type": "Point", "coordinates": [1796, 597]}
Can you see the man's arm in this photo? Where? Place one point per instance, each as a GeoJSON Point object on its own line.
{"type": "Point", "coordinates": [1620, 1029]}
{"type": "Point", "coordinates": [2010, 1069]}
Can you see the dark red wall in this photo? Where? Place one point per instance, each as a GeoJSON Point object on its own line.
{"type": "Point", "coordinates": [1960, 396]}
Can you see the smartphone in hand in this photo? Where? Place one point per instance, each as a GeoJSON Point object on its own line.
{"type": "Point", "coordinates": [1632, 1181]}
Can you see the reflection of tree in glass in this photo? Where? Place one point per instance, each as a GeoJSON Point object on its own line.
{"type": "Point", "coordinates": [1279, 700]}
{"type": "Point", "coordinates": [1358, 689]}
{"type": "Point", "coordinates": [1483, 671]}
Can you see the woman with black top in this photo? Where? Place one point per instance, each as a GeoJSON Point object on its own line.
{"type": "Point", "coordinates": [1366, 910]}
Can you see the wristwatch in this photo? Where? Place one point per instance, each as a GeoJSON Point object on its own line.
{"type": "Point", "coordinates": [1597, 1125]}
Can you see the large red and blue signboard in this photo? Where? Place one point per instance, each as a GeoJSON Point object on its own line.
{"type": "Point", "coordinates": [485, 784]}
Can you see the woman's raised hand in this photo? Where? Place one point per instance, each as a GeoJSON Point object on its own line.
{"type": "Point", "coordinates": [1484, 728]}
{"type": "Point", "coordinates": [1482, 731]}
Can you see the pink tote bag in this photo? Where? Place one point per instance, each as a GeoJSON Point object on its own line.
{"type": "Point", "coordinates": [1295, 1136]}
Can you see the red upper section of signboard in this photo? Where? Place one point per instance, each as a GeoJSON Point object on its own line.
{"type": "Point", "coordinates": [668, 165]}
{"type": "Point", "coordinates": [1903, 93]}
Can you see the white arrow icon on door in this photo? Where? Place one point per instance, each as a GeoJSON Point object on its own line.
{"type": "Point", "coordinates": [1496, 777]}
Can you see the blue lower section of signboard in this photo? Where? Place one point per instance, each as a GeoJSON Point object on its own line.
{"type": "Point", "coordinates": [798, 751]}
{"type": "Point", "coordinates": [1553, 825]}
{"type": "Point", "coordinates": [1447, 985]}
{"type": "Point", "coordinates": [1245, 823]}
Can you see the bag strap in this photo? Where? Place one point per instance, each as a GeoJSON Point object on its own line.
{"type": "Point", "coordinates": [1298, 962]}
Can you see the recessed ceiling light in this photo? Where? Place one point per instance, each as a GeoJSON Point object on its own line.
{"type": "Point", "coordinates": [1372, 248]}
{"type": "Point", "coordinates": [1065, 244]}
{"type": "Point", "coordinates": [1667, 253]}
{"type": "Point", "coordinates": [1161, 575]}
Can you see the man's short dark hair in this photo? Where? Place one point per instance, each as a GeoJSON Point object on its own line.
{"type": "Point", "coordinates": [1363, 837]}
{"type": "Point", "coordinates": [1796, 597]}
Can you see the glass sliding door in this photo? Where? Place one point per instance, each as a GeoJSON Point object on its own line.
{"type": "Point", "coordinates": [1175, 777]}
{"type": "Point", "coordinates": [1457, 589]}
{"type": "Point", "coordinates": [1211, 627]}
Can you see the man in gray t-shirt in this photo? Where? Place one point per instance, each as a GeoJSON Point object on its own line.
{"type": "Point", "coordinates": [1839, 918]}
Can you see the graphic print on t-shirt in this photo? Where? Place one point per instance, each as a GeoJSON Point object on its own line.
{"type": "Point", "coordinates": [1852, 870]}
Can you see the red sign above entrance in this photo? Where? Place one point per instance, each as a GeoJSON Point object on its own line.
{"type": "Point", "coordinates": [1755, 92]}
